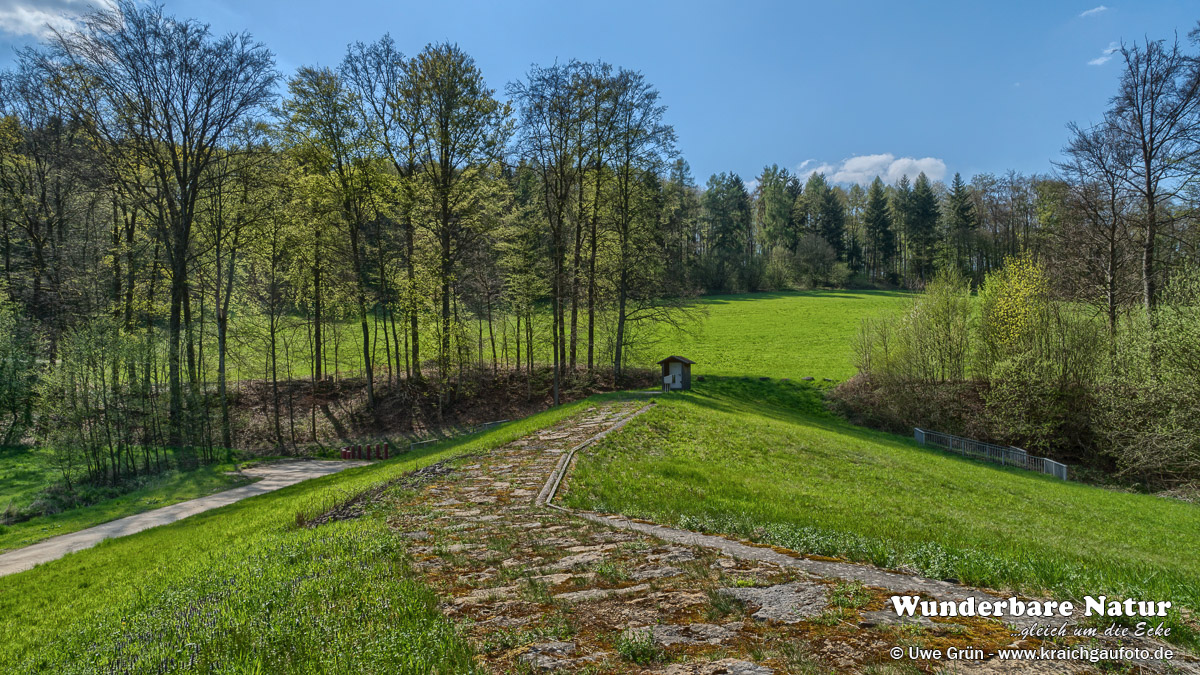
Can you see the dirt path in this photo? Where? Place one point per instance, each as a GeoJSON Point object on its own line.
{"type": "Point", "coordinates": [540, 589]}
{"type": "Point", "coordinates": [272, 477]}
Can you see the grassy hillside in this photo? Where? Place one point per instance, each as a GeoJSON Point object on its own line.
{"type": "Point", "coordinates": [763, 460]}
{"type": "Point", "coordinates": [789, 334]}
{"type": "Point", "coordinates": [243, 589]}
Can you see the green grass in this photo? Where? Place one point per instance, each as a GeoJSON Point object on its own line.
{"type": "Point", "coordinates": [241, 589]}
{"type": "Point", "coordinates": [763, 460]}
{"type": "Point", "coordinates": [790, 334]}
{"type": "Point", "coordinates": [24, 472]}
{"type": "Point", "coordinates": [161, 490]}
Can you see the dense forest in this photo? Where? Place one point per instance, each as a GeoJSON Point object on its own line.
{"type": "Point", "coordinates": [178, 216]}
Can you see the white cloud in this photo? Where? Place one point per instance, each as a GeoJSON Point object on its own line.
{"type": "Point", "coordinates": [863, 169]}
{"type": "Point", "coordinates": [37, 17]}
{"type": "Point", "coordinates": [1094, 11]}
{"type": "Point", "coordinates": [751, 185]}
{"type": "Point", "coordinates": [1106, 55]}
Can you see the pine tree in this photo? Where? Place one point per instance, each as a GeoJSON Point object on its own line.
{"type": "Point", "coordinates": [901, 206]}
{"type": "Point", "coordinates": [960, 222]}
{"type": "Point", "coordinates": [922, 226]}
{"type": "Point", "coordinates": [881, 241]}
{"type": "Point", "coordinates": [823, 213]}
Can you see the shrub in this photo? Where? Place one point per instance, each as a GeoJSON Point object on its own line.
{"type": "Point", "coordinates": [17, 369]}
{"type": "Point", "coordinates": [930, 343]}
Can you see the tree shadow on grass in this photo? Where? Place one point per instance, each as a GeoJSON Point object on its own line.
{"type": "Point", "coordinates": [841, 293]}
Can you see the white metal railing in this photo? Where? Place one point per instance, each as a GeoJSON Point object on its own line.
{"type": "Point", "coordinates": [1009, 456]}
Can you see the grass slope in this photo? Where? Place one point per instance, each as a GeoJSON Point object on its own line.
{"type": "Point", "coordinates": [160, 490]}
{"type": "Point", "coordinates": [763, 460]}
{"type": "Point", "coordinates": [24, 472]}
{"type": "Point", "coordinates": [242, 589]}
{"type": "Point", "coordinates": [784, 334]}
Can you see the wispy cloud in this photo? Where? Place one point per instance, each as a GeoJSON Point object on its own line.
{"type": "Point", "coordinates": [1094, 11]}
{"type": "Point", "coordinates": [863, 169]}
{"type": "Point", "coordinates": [1106, 55]}
{"type": "Point", "coordinates": [36, 18]}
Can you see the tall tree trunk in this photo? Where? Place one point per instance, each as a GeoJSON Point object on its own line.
{"type": "Point", "coordinates": [361, 294]}
{"type": "Point", "coordinates": [1149, 283]}
{"type": "Point", "coordinates": [174, 338]}
{"type": "Point", "coordinates": [414, 319]}
{"type": "Point", "coordinates": [318, 319]}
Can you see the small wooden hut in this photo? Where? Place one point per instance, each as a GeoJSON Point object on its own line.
{"type": "Point", "coordinates": [676, 373]}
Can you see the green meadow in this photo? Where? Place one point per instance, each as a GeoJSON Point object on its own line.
{"type": "Point", "coordinates": [785, 334]}
{"type": "Point", "coordinates": [763, 460]}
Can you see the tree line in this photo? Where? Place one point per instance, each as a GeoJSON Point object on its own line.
{"type": "Point", "coordinates": [1083, 346]}
{"type": "Point", "coordinates": [178, 216]}
{"type": "Point", "coordinates": [169, 216]}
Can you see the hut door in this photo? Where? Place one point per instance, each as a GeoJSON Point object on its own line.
{"type": "Point", "coordinates": [676, 375]}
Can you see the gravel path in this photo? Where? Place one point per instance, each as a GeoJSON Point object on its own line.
{"type": "Point", "coordinates": [272, 477]}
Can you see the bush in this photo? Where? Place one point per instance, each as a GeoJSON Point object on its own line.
{"type": "Point", "coordinates": [17, 371]}
{"type": "Point", "coordinates": [1022, 371]}
{"type": "Point", "coordinates": [815, 261]}
{"type": "Point", "coordinates": [1151, 407]}
{"type": "Point", "coordinates": [930, 343]}
{"type": "Point", "coordinates": [778, 273]}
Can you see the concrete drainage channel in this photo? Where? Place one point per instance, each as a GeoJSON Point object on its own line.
{"type": "Point", "coordinates": [546, 496]}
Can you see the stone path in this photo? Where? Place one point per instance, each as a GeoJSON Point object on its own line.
{"type": "Point", "coordinates": [542, 589]}
{"type": "Point", "coordinates": [272, 477]}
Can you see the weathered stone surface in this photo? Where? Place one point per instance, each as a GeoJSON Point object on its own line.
{"type": "Point", "coordinates": [787, 603]}
{"type": "Point", "coordinates": [888, 617]}
{"type": "Point", "coordinates": [556, 542]}
{"type": "Point", "coordinates": [673, 556]}
{"type": "Point", "coordinates": [486, 594]}
{"type": "Point", "coordinates": [548, 655]}
{"type": "Point", "coordinates": [598, 593]}
{"type": "Point", "coordinates": [594, 547]}
{"type": "Point", "coordinates": [577, 560]}
{"type": "Point", "coordinates": [652, 572]}
{"type": "Point", "coordinates": [459, 548]}
{"type": "Point", "coordinates": [722, 667]}
{"type": "Point", "coordinates": [690, 634]}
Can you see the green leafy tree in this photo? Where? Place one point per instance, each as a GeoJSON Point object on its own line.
{"type": "Point", "coordinates": [729, 240]}
{"type": "Point", "coordinates": [17, 371]}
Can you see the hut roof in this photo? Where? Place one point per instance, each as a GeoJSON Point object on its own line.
{"type": "Point", "coordinates": [677, 358]}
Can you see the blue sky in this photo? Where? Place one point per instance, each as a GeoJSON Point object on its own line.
{"type": "Point", "coordinates": [850, 88]}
